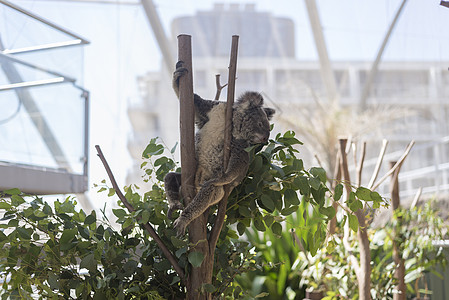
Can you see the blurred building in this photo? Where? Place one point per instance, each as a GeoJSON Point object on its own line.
{"type": "Point", "coordinates": [410, 98]}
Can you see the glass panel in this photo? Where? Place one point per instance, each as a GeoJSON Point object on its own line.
{"type": "Point", "coordinates": [43, 126]}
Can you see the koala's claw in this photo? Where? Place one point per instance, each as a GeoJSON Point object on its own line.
{"type": "Point", "coordinates": [179, 64]}
{"type": "Point", "coordinates": [180, 225]}
{"type": "Point", "coordinates": [173, 208]}
{"type": "Point", "coordinates": [179, 72]}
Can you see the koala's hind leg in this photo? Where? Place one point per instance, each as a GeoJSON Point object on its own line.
{"type": "Point", "coordinates": [208, 195]}
{"type": "Point", "coordinates": [172, 183]}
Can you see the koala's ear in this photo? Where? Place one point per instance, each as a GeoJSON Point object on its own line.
{"type": "Point", "coordinates": [269, 111]}
{"type": "Point", "coordinates": [251, 99]}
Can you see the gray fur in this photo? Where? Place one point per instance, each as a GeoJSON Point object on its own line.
{"type": "Point", "coordinates": [250, 126]}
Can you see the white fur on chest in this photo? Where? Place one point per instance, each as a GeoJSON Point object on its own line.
{"type": "Point", "coordinates": [210, 144]}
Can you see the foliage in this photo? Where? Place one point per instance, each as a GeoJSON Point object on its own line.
{"type": "Point", "coordinates": [278, 275]}
{"type": "Point", "coordinates": [60, 251]}
{"type": "Point", "coordinates": [330, 270]}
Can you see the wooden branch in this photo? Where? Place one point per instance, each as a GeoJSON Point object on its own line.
{"type": "Point", "coordinates": [147, 226]}
{"type": "Point", "coordinates": [416, 198]}
{"type": "Point", "coordinates": [396, 166]}
{"type": "Point", "coordinates": [360, 165]}
{"type": "Point", "coordinates": [219, 86]}
{"type": "Point", "coordinates": [219, 221]}
{"type": "Point", "coordinates": [378, 164]}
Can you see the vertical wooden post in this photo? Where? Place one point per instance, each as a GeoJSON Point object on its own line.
{"type": "Point", "coordinates": [230, 99]}
{"type": "Point", "coordinates": [397, 257]}
{"type": "Point", "coordinates": [219, 221]}
{"type": "Point", "coordinates": [187, 119]}
{"type": "Point", "coordinates": [197, 228]}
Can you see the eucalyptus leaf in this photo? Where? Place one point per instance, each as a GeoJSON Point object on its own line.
{"type": "Point", "coordinates": [196, 258]}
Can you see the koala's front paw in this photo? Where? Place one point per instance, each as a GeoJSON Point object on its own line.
{"type": "Point", "coordinates": [180, 225]}
{"type": "Point", "coordinates": [180, 70]}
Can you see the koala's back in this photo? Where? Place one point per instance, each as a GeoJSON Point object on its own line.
{"type": "Point", "coordinates": [209, 145]}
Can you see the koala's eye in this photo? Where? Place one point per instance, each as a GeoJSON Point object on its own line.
{"type": "Point", "coordinates": [260, 124]}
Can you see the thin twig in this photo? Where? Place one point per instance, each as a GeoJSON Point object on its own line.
{"type": "Point", "coordinates": [147, 226]}
{"type": "Point", "coordinates": [378, 164]}
{"type": "Point", "coordinates": [416, 198]}
{"type": "Point", "coordinates": [219, 86]}
{"type": "Point", "coordinates": [396, 166]}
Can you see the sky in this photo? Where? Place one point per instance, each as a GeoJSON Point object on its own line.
{"type": "Point", "coordinates": [123, 47]}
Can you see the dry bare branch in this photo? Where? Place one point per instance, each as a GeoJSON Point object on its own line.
{"type": "Point", "coordinates": [378, 163]}
{"type": "Point", "coordinates": [396, 166]}
{"type": "Point", "coordinates": [219, 86]}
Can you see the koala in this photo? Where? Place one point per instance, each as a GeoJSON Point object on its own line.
{"type": "Point", "coordinates": [250, 126]}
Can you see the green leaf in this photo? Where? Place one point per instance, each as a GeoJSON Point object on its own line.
{"type": "Point", "coordinates": [315, 183]}
{"type": "Point", "coordinates": [14, 191]}
{"type": "Point", "coordinates": [329, 211]}
{"type": "Point", "coordinates": [16, 200]}
{"type": "Point", "coordinates": [356, 205]}
{"type": "Point", "coordinates": [268, 219]}
{"type": "Point", "coordinates": [353, 222]}
{"type": "Point", "coordinates": [261, 295]}
{"type": "Point", "coordinates": [241, 228]}
{"type": "Point", "coordinates": [320, 173]}
{"type": "Point", "coordinates": [208, 288]}
{"type": "Point", "coordinates": [196, 258]}
{"type": "Point", "coordinates": [276, 228]}
{"type": "Point", "coordinates": [119, 213]}
{"type": "Point", "coordinates": [153, 149]}
{"type": "Point", "coordinates": [244, 211]}
{"type": "Point", "coordinates": [25, 233]}
{"type": "Point", "coordinates": [178, 243]}
{"type": "Point", "coordinates": [111, 192]}
{"type": "Point", "coordinates": [291, 197]}
{"type": "Point", "coordinates": [258, 223]}
{"type": "Point", "coordinates": [53, 281]}
{"type": "Point", "coordinates": [67, 236]}
{"type": "Point", "coordinates": [363, 193]}
{"type": "Point", "coordinates": [338, 191]}
{"type": "Point", "coordinates": [172, 150]}
{"type": "Point", "coordinates": [89, 262]}
{"type": "Point", "coordinates": [128, 222]}
{"type": "Point", "coordinates": [289, 210]}
{"type": "Point", "coordinates": [376, 197]}
{"type": "Point", "coordinates": [90, 219]}
{"type": "Point", "coordinates": [303, 184]}
{"type": "Point", "coordinates": [267, 202]}
{"type": "Point", "coordinates": [4, 205]}
{"type": "Point", "coordinates": [145, 217]}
